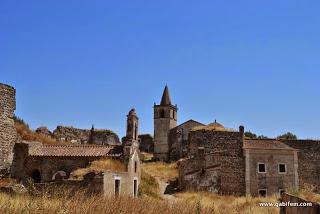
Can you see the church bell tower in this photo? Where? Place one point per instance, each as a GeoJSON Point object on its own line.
{"type": "Point", "coordinates": [165, 118]}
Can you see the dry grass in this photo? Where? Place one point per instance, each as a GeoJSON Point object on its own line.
{"type": "Point", "coordinates": [161, 170]}
{"type": "Point", "coordinates": [149, 186]}
{"type": "Point", "coordinates": [104, 164]}
{"type": "Point", "coordinates": [146, 156]}
{"type": "Point", "coordinates": [307, 192]}
{"type": "Point", "coordinates": [27, 134]}
{"type": "Point", "coordinates": [80, 203]}
{"type": "Point", "coordinates": [7, 182]}
{"type": "Point", "coordinates": [228, 204]}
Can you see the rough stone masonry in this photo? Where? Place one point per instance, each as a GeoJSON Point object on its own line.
{"type": "Point", "coordinates": [8, 133]}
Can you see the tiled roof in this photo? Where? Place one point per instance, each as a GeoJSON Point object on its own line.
{"type": "Point", "coordinates": [74, 151]}
{"type": "Point", "coordinates": [265, 144]}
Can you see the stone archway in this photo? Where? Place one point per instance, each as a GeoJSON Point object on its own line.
{"type": "Point", "coordinates": [59, 175]}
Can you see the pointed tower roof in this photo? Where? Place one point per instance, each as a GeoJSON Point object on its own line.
{"type": "Point", "coordinates": [166, 97]}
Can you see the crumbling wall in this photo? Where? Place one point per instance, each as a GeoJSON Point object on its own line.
{"type": "Point", "coordinates": [178, 140]}
{"type": "Point", "coordinates": [215, 154]}
{"type": "Point", "coordinates": [146, 143]}
{"type": "Point", "coordinates": [8, 133]}
{"type": "Point", "coordinates": [308, 162]}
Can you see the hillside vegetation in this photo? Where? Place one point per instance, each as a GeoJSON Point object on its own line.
{"type": "Point", "coordinates": [25, 133]}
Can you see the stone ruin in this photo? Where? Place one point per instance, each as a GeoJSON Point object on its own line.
{"type": "Point", "coordinates": [8, 134]}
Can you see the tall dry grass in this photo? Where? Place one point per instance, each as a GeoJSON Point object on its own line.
{"type": "Point", "coordinates": [80, 203]}
{"type": "Point", "coordinates": [101, 165]}
{"type": "Point", "coordinates": [161, 170]}
{"type": "Point", "coordinates": [228, 204]}
{"type": "Point", "coordinates": [306, 192]}
{"type": "Point", "coordinates": [149, 186]}
{"type": "Point", "coordinates": [27, 134]}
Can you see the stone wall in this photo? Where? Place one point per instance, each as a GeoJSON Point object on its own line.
{"type": "Point", "coordinates": [84, 136]}
{"type": "Point", "coordinates": [8, 134]}
{"type": "Point", "coordinates": [308, 161]}
{"type": "Point", "coordinates": [216, 160]}
{"type": "Point", "coordinates": [178, 139]}
{"type": "Point", "coordinates": [146, 143]}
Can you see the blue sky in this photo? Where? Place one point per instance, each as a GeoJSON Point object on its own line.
{"type": "Point", "coordinates": [79, 63]}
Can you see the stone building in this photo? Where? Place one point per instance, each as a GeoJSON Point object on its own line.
{"type": "Point", "coordinates": [217, 159]}
{"type": "Point", "coordinates": [8, 134]}
{"type": "Point", "coordinates": [271, 166]}
{"type": "Point", "coordinates": [50, 163]}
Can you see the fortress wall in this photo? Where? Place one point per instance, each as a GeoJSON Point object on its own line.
{"type": "Point", "coordinates": [8, 133]}
{"type": "Point", "coordinates": [308, 160]}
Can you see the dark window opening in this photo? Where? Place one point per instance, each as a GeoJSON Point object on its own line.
{"type": "Point", "coordinates": [36, 176]}
{"type": "Point", "coordinates": [173, 115]}
{"type": "Point", "coordinates": [135, 167]}
{"type": "Point", "coordinates": [162, 113]}
{"type": "Point", "coordinates": [261, 168]}
{"type": "Point", "coordinates": [135, 131]}
{"type": "Point", "coordinates": [262, 192]}
{"type": "Point", "coordinates": [282, 168]}
{"type": "Point", "coordinates": [135, 188]}
{"type": "Point", "coordinates": [117, 187]}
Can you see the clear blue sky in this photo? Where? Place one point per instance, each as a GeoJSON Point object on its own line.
{"type": "Point", "coordinates": [255, 63]}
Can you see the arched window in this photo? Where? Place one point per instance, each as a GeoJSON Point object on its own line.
{"type": "Point", "coordinates": [162, 113]}
{"type": "Point", "coordinates": [36, 176]}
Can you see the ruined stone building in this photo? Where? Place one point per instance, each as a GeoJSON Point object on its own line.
{"type": "Point", "coordinates": [221, 160]}
{"type": "Point", "coordinates": [8, 134]}
{"type": "Point", "coordinates": [49, 163]}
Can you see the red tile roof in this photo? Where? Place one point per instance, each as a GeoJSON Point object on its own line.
{"type": "Point", "coordinates": [75, 150]}
{"type": "Point", "coordinates": [265, 144]}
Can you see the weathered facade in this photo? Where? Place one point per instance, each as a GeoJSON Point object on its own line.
{"type": "Point", "coordinates": [215, 163]}
{"type": "Point", "coordinates": [8, 133]}
{"type": "Point", "coordinates": [43, 162]}
{"type": "Point", "coordinates": [271, 167]}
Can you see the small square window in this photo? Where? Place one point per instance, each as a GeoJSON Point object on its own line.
{"type": "Point", "coordinates": [261, 168]}
{"type": "Point", "coordinates": [282, 168]}
{"type": "Point", "coordinates": [262, 192]}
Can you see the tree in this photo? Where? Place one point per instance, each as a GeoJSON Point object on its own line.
{"type": "Point", "coordinates": [262, 137]}
{"type": "Point", "coordinates": [249, 134]}
{"type": "Point", "coordinates": [288, 136]}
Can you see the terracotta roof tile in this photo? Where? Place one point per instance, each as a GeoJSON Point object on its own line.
{"type": "Point", "coordinates": [75, 150]}
{"type": "Point", "coordinates": [265, 144]}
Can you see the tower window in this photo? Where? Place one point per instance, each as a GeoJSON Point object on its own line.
{"type": "Point", "coordinates": [162, 113]}
{"type": "Point", "coordinates": [261, 168]}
